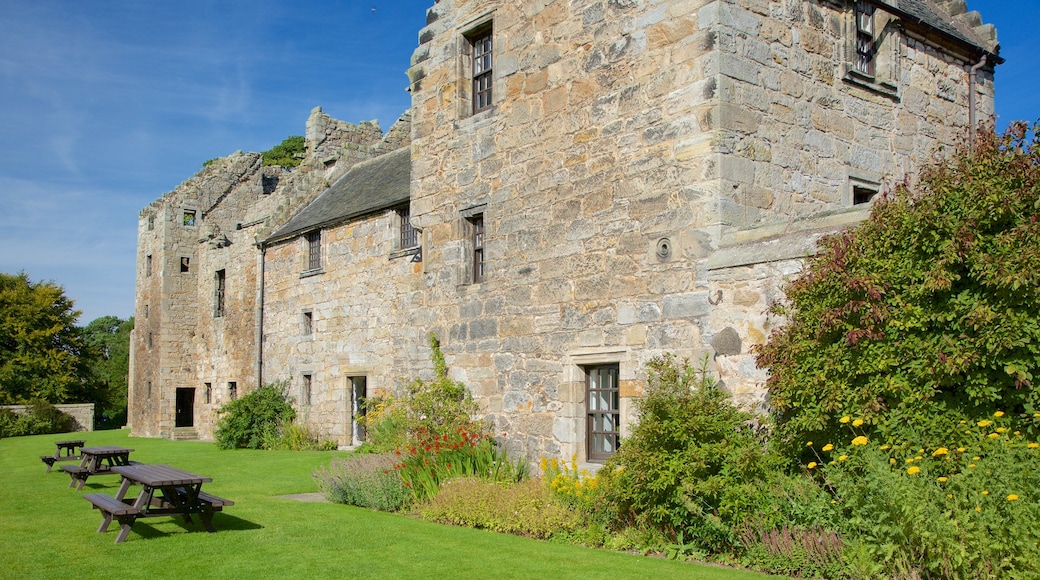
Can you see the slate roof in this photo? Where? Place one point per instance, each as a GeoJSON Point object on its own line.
{"type": "Point", "coordinates": [370, 186]}
{"type": "Point", "coordinates": [926, 12]}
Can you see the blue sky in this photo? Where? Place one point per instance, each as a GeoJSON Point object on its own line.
{"type": "Point", "coordinates": [105, 106]}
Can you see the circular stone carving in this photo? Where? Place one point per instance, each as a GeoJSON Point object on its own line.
{"type": "Point", "coordinates": [664, 248]}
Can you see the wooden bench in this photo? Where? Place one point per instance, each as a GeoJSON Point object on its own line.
{"type": "Point", "coordinates": [78, 475]}
{"type": "Point", "coordinates": [217, 503]}
{"type": "Point", "coordinates": [50, 460]}
{"type": "Point", "coordinates": [111, 508]}
{"type": "Point", "coordinates": [64, 451]}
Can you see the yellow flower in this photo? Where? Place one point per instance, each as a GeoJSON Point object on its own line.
{"type": "Point", "coordinates": [942, 480]}
{"type": "Point", "coordinates": [961, 450]}
{"type": "Point", "coordinates": [884, 447]}
{"type": "Point", "coordinates": [918, 458]}
{"type": "Point", "coordinates": [984, 492]}
{"type": "Point", "coordinates": [978, 509]}
{"type": "Point", "coordinates": [828, 447]}
{"type": "Point", "coordinates": [921, 450]}
{"type": "Point", "coordinates": [998, 414]}
{"type": "Point", "coordinates": [809, 444]}
{"type": "Point", "coordinates": [1001, 430]}
{"type": "Point", "coordinates": [1033, 445]}
{"type": "Point", "coordinates": [971, 466]}
{"type": "Point", "coordinates": [976, 458]}
{"type": "Point", "coordinates": [993, 435]}
{"type": "Point", "coordinates": [1012, 497]}
{"type": "Point", "coordinates": [812, 465]}
{"type": "Point", "coordinates": [984, 423]}
{"type": "Point", "coordinates": [949, 496]}
{"type": "Point", "coordinates": [1018, 432]}
{"type": "Point", "coordinates": [842, 457]}
{"type": "Point", "coordinates": [940, 451]}
{"type": "Point", "coordinates": [857, 422]}
{"type": "Point", "coordinates": [892, 461]}
{"type": "Point", "coordinates": [846, 419]}
{"type": "Point", "coordinates": [910, 460]}
{"type": "Point", "coordinates": [913, 470]}
{"type": "Point", "coordinates": [1036, 415]}
{"type": "Point", "coordinates": [861, 440]}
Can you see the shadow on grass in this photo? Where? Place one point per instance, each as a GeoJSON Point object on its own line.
{"type": "Point", "coordinates": [158, 529]}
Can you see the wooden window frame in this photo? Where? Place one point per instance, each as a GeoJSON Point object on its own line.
{"type": "Point", "coordinates": [602, 411]}
{"type": "Point", "coordinates": [313, 239]}
{"type": "Point", "coordinates": [409, 237]}
{"type": "Point", "coordinates": [477, 240]}
{"type": "Point", "coordinates": [481, 45]}
{"type": "Point", "coordinates": [866, 39]}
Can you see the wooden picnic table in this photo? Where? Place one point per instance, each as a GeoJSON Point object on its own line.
{"type": "Point", "coordinates": [96, 461]}
{"type": "Point", "coordinates": [65, 451]}
{"type": "Point", "coordinates": [165, 491]}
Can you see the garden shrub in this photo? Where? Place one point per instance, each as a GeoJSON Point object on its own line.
{"type": "Point", "coordinates": [293, 436]}
{"type": "Point", "coordinates": [927, 312]}
{"type": "Point", "coordinates": [694, 463]}
{"type": "Point", "coordinates": [365, 480]}
{"type": "Point", "coordinates": [251, 419]}
{"type": "Point", "coordinates": [911, 510]}
{"type": "Point", "coordinates": [288, 153]}
{"type": "Point", "coordinates": [430, 462]}
{"type": "Point", "coordinates": [523, 509]}
{"type": "Point", "coordinates": [39, 418]}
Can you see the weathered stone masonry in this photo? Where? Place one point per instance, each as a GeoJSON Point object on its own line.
{"type": "Point", "coordinates": [647, 175]}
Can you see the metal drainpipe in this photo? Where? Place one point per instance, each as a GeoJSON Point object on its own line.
{"type": "Point", "coordinates": [259, 334]}
{"type": "Point", "coordinates": [971, 98]}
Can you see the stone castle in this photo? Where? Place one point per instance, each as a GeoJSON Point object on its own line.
{"type": "Point", "coordinates": [578, 187]}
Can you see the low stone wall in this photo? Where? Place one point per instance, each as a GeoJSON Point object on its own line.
{"type": "Point", "coordinates": [83, 413]}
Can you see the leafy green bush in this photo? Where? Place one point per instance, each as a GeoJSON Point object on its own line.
{"type": "Point", "coordinates": [913, 510]}
{"type": "Point", "coordinates": [423, 413]}
{"type": "Point", "coordinates": [429, 463]}
{"type": "Point", "coordinates": [523, 509]}
{"type": "Point", "coordinates": [247, 421]}
{"type": "Point", "coordinates": [288, 153]}
{"type": "Point", "coordinates": [39, 418]}
{"type": "Point", "coordinates": [927, 312]}
{"type": "Point", "coordinates": [293, 436]}
{"type": "Point", "coordinates": [367, 480]}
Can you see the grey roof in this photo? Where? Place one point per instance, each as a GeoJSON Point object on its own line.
{"type": "Point", "coordinates": [926, 12]}
{"type": "Point", "coordinates": [369, 186]}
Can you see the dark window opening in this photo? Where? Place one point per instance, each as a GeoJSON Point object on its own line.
{"type": "Point", "coordinates": [148, 265]}
{"type": "Point", "coordinates": [184, 264]}
{"type": "Point", "coordinates": [477, 225]}
{"type": "Point", "coordinates": [409, 235]}
{"type": "Point", "coordinates": [232, 389]}
{"type": "Point", "coordinates": [269, 183]}
{"type": "Point", "coordinates": [308, 323]}
{"type": "Point", "coordinates": [482, 48]}
{"type": "Point", "coordinates": [219, 290]}
{"type": "Point", "coordinates": [861, 195]}
{"type": "Point", "coordinates": [208, 392]}
{"type": "Point", "coordinates": [305, 399]}
{"type": "Point", "coordinates": [314, 250]}
{"type": "Point", "coordinates": [602, 398]}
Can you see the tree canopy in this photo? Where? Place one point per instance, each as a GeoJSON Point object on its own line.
{"type": "Point", "coordinates": [41, 350]}
{"type": "Point", "coordinates": [108, 341]}
{"type": "Point", "coordinates": [926, 312]}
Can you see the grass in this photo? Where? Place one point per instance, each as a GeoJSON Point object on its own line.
{"type": "Point", "coordinates": [48, 530]}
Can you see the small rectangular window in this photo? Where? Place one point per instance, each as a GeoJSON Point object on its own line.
{"type": "Point", "coordinates": [481, 45]}
{"type": "Point", "coordinates": [409, 236]}
{"type": "Point", "coordinates": [602, 403]}
{"type": "Point", "coordinates": [305, 398]}
{"type": "Point", "coordinates": [151, 222]}
{"type": "Point", "coordinates": [358, 396]}
{"type": "Point", "coordinates": [146, 311]}
{"type": "Point", "coordinates": [185, 263]}
{"type": "Point", "coordinates": [232, 390]}
{"type": "Point", "coordinates": [477, 240]}
{"type": "Point", "coordinates": [219, 290]}
{"type": "Point", "coordinates": [149, 340]}
{"type": "Point", "coordinates": [307, 323]}
{"type": "Point", "coordinates": [314, 250]}
{"type": "Point", "coordinates": [208, 392]}
{"type": "Point", "coordinates": [148, 265]}
{"type": "Point", "coordinates": [862, 195]}
{"type": "Point", "coordinates": [149, 389]}
{"type": "Point", "coordinates": [189, 217]}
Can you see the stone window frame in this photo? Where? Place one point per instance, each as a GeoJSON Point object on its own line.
{"type": "Point", "coordinates": [148, 266]}
{"type": "Point", "coordinates": [313, 252]}
{"type": "Point", "coordinates": [306, 388]}
{"type": "Point", "coordinates": [862, 190]}
{"type": "Point", "coordinates": [603, 419]}
{"type": "Point", "coordinates": [572, 419]}
{"type": "Point", "coordinates": [356, 431]}
{"type": "Point", "coordinates": [474, 228]}
{"type": "Point", "coordinates": [475, 30]}
{"type": "Point", "coordinates": [407, 239]}
{"type": "Point", "coordinates": [219, 293]}
{"type": "Point", "coordinates": [207, 392]}
{"type": "Point", "coordinates": [307, 324]}
{"type": "Point", "coordinates": [881, 75]}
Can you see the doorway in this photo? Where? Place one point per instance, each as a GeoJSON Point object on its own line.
{"type": "Point", "coordinates": [185, 408]}
{"type": "Point", "coordinates": [358, 394]}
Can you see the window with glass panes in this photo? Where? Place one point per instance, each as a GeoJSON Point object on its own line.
{"type": "Point", "coordinates": [409, 237]}
{"type": "Point", "coordinates": [481, 45]}
{"type": "Point", "coordinates": [477, 224]}
{"type": "Point", "coordinates": [602, 398]}
{"type": "Point", "coordinates": [865, 38]}
{"type": "Point", "coordinates": [314, 250]}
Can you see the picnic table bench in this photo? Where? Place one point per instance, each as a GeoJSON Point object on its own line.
{"type": "Point", "coordinates": [96, 461]}
{"type": "Point", "coordinates": [165, 491]}
{"type": "Point", "coordinates": [65, 451]}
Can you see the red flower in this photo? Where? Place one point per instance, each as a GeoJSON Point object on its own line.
{"type": "Point", "coordinates": [397, 451]}
{"type": "Point", "coordinates": [449, 466]}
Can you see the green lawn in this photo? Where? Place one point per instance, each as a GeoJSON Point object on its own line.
{"type": "Point", "coordinates": [49, 530]}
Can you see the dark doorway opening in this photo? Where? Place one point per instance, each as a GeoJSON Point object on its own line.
{"type": "Point", "coordinates": [185, 407]}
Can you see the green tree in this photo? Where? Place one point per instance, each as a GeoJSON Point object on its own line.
{"type": "Point", "coordinates": [928, 311]}
{"type": "Point", "coordinates": [288, 153]}
{"type": "Point", "coordinates": [41, 349]}
{"type": "Point", "coordinates": [108, 341]}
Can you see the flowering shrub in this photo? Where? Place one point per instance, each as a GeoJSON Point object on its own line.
{"type": "Point", "coordinates": [524, 509]}
{"type": "Point", "coordinates": [366, 480]}
{"type": "Point", "coordinates": [574, 487]}
{"type": "Point", "coordinates": [964, 510]}
{"type": "Point", "coordinates": [433, 460]}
